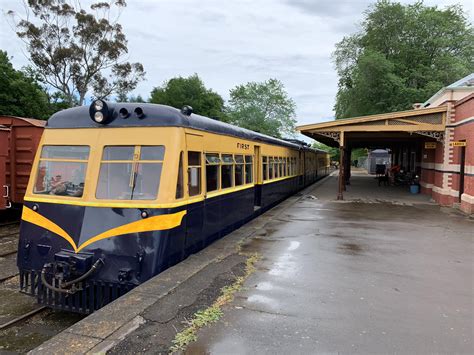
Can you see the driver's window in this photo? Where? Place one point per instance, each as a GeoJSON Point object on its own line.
{"type": "Point", "coordinates": [130, 172]}
{"type": "Point", "coordinates": [62, 170]}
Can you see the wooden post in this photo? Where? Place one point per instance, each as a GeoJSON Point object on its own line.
{"type": "Point", "coordinates": [347, 167]}
{"type": "Point", "coordinates": [341, 167]}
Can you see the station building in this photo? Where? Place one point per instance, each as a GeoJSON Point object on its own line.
{"type": "Point", "coordinates": [434, 140]}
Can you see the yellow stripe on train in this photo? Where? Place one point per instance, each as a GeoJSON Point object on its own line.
{"type": "Point", "coordinates": [156, 223]}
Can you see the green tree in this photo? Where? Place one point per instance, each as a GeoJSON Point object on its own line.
{"type": "Point", "coordinates": [263, 107]}
{"type": "Point", "coordinates": [75, 51]}
{"type": "Point", "coordinates": [20, 94]}
{"type": "Point", "coordinates": [131, 98]}
{"type": "Point", "coordinates": [334, 153]}
{"type": "Point", "coordinates": [178, 92]}
{"type": "Point", "coordinates": [402, 55]}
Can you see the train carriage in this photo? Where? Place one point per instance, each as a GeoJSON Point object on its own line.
{"type": "Point", "coordinates": [120, 192]}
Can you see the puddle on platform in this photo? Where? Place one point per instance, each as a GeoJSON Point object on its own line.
{"type": "Point", "coordinates": [294, 245]}
{"type": "Point", "coordinates": [264, 286]}
{"type": "Point", "coordinates": [256, 245]}
{"type": "Point", "coordinates": [263, 300]}
{"type": "Point", "coordinates": [351, 249]}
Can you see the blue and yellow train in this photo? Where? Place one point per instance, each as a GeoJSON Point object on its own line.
{"type": "Point", "coordinates": [120, 192]}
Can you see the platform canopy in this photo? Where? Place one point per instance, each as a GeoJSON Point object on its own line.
{"type": "Point", "coordinates": [380, 131]}
{"type": "Point", "coordinates": [402, 132]}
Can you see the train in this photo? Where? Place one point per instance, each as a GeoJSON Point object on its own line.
{"type": "Point", "coordinates": [19, 139]}
{"type": "Point", "coordinates": [121, 191]}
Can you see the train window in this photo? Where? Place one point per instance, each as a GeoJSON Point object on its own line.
{"type": "Point", "coordinates": [270, 168]}
{"type": "Point", "coordinates": [180, 182]}
{"type": "Point", "coordinates": [212, 159]}
{"type": "Point", "coordinates": [75, 152]}
{"type": "Point", "coordinates": [118, 153]}
{"type": "Point", "coordinates": [62, 170]}
{"type": "Point", "coordinates": [194, 173]}
{"type": "Point", "coordinates": [281, 166]}
{"type": "Point", "coordinates": [125, 176]}
{"type": "Point", "coordinates": [227, 159]}
{"type": "Point", "coordinates": [152, 153]}
{"type": "Point", "coordinates": [287, 162]}
{"type": "Point", "coordinates": [265, 168]}
{"type": "Point", "coordinates": [275, 168]}
{"type": "Point", "coordinates": [239, 170]}
{"type": "Point", "coordinates": [248, 169]}
{"type": "Point", "coordinates": [227, 170]}
{"type": "Point", "coordinates": [212, 172]}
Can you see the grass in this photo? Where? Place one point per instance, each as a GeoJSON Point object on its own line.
{"type": "Point", "coordinates": [213, 313]}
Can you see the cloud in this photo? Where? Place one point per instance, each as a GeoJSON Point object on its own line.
{"type": "Point", "coordinates": [234, 42]}
{"type": "Point", "coordinates": [330, 8]}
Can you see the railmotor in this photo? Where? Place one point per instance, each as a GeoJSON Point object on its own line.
{"type": "Point", "coordinates": [120, 192]}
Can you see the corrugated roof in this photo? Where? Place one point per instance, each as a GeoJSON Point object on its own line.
{"type": "Point", "coordinates": [466, 82]}
{"type": "Point", "coordinates": [29, 121]}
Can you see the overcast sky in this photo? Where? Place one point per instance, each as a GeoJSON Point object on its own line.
{"type": "Point", "coordinates": [232, 42]}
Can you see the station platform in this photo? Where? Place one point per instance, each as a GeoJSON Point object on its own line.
{"type": "Point", "coordinates": [374, 273]}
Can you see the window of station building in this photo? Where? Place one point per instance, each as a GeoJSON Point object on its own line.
{"type": "Point", "coordinates": [130, 172]}
{"type": "Point", "coordinates": [265, 168]}
{"type": "Point", "coordinates": [194, 173]}
{"type": "Point", "coordinates": [212, 171]}
{"type": "Point", "coordinates": [227, 170]}
{"type": "Point", "coordinates": [239, 170]}
{"type": "Point", "coordinates": [180, 182]}
{"type": "Point", "coordinates": [62, 170]}
{"type": "Point", "coordinates": [248, 169]}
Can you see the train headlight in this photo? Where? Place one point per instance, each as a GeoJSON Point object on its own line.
{"type": "Point", "coordinates": [99, 111]}
{"type": "Point", "coordinates": [98, 105]}
{"type": "Point", "coordinates": [98, 117]}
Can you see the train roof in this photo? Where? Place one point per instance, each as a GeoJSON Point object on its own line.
{"type": "Point", "coordinates": [160, 116]}
{"type": "Point", "coordinates": [7, 120]}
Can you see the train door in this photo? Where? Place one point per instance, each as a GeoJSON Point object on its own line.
{"type": "Point", "coordinates": [258, 178]}
{"type": "Point", "coordinates": [195, 238]}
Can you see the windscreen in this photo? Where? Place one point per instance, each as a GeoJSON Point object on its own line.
{"type": "Point", "coordinates": [62, 170]}
{"type": "Point", "coordinates": [130, 172]}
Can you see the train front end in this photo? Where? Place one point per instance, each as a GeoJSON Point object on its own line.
{"type": "Point", "coordinates": [100, 214]}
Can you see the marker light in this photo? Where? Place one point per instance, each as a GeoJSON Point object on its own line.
{"type": "Point", "coordinates": [98, 117]}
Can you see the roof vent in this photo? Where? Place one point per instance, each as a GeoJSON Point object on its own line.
{"type": "Point", "coordinates": [139, 112]}
{"type": "Point", "coordinates": [187, 110]}
{"type": "Point", "coordinates": [124, 113]}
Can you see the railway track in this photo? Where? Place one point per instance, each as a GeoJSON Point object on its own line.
{"type": "Point", "coordinates": [22, 317]}
{"type": "Point", "coordinates": [9, 233]}
{"type": "Point", "coordinates": [11, 223]}
{"type": "Point", "coordinates": [23, 324]}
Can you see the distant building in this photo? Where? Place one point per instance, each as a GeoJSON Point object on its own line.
{"type": "Point", "coordinates": [434, 140]}
{"type": "Point", "coordinates": [448, 170]}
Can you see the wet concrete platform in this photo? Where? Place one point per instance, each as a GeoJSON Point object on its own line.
{"type": "Point", "coordinates": [376, 273]}
{"type": "Point", "coordinates": [352, 277]}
